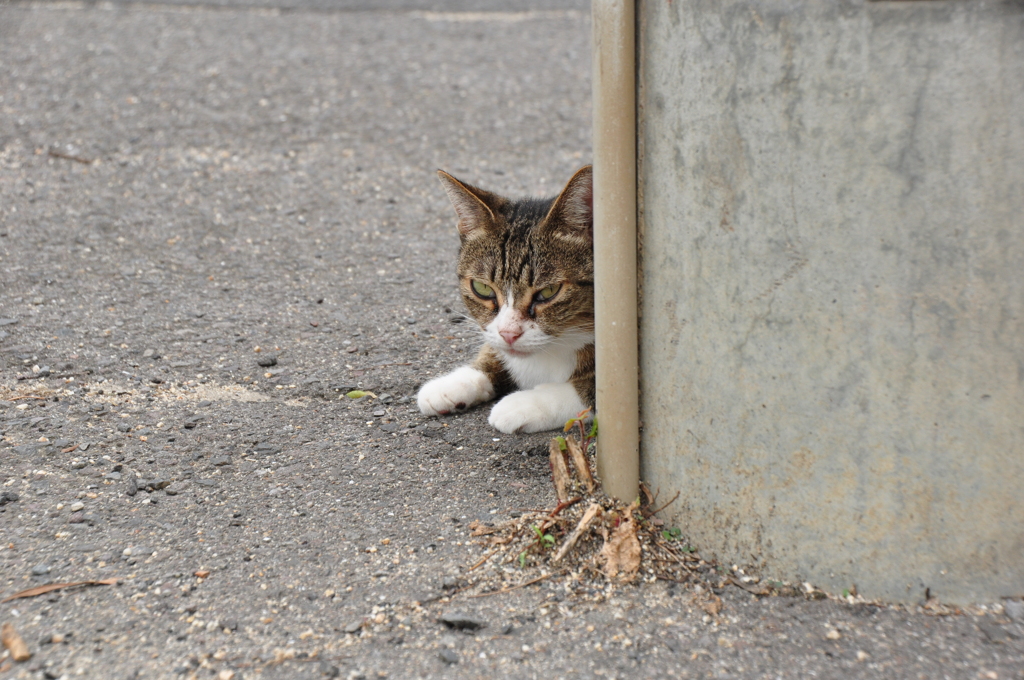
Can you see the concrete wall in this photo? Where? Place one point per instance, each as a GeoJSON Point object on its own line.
{"type": "Point", "coordinates": [832, 333]}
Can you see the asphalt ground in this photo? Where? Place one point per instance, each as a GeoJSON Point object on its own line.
{"type": "Point", "coordinates": [181, 185]}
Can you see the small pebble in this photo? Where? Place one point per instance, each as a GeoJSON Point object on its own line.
{"type": "Point", "coordinates": [461, 620]}
{"type": "Point", "coordinates": [41, 570]}
{"type": "Point", "coordinates": [176, 488]}
{"type": "Point", "coordinates": [76, 506]}
{"type": "Point", "coordinates": [448, 656]}
{"type": "Point", "coordinates": [994, 633]}
{"type": "Point", "coordinates": [267, 361]}
{"type": "Point", "coordinates": [328, 670]}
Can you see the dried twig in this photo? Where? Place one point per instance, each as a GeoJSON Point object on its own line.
{"type": "Point", "coordinates": [551, 518]}
{"type": "Point", "coordinates": [559, 471]}
{"type": "Point", "coordinates": [579, 461]}
{"type": "Point", "coordinates": [482, 560]}
{"type": "Point", "coordinates": [681, 560]}
{"type": "Point", "coordinates": [760, 591]}
{"type": "Point", "coordinates": [70, 157]}
{"type": "Point", "coordinates": [563, 505]}
{"type": "Point", "coordinates": [647, 492]}
{"type": "Point", "coordinates": [674, 499]}
{"type": "Point", "coordinates": [42, 590]}
{"type": "Point", "coordinates": [478, 528]}
{"type": "Point", "coordinates": [584, 524]}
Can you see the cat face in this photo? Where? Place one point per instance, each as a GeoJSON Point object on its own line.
{"type": "Point", "coordinates": [526, 267]}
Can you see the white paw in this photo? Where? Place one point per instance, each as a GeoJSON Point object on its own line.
{"type": "Point", "coordinates": [545, 407]}
{"type": "Point", "coordinates": [460, 389]}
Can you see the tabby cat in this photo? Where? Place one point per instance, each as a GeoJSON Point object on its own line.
{"type": "Point", "coordinates": [526, 273]}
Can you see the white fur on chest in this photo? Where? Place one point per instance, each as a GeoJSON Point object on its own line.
{"type": "Point", "coordinates": [553, 364]}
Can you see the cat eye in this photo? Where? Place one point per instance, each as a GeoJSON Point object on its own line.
{"type": "Point", "coordinates": [547, 293]}
{"type": "Point", "coordinates": [482, 290]}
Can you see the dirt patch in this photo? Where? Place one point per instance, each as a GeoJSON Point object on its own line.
{"type": "Point", "coordinates": [593, 543]}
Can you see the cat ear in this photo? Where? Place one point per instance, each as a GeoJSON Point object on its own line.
{"type": "Point", "coordinates": [573, 210]}
{"type": "Point", "coordinates": [475, 207]}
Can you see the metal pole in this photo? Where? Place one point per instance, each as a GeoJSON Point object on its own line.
{"type": "Point", "coordinates": [615, 246]}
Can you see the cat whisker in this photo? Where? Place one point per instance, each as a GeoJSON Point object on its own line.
{"type": "Point", "coordinates": [525, 235]}
{"type": "Point", "coordinates": [566, 342]}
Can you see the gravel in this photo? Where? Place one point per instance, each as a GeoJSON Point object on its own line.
{"type": "Point", "coordinates": [180, 249]}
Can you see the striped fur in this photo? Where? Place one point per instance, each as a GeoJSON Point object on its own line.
{"type": "Point", "coordinates": [518, 252]}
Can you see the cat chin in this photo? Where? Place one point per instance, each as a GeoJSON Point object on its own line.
{"type": "Point", "coordinates": [551, 364]}
{"type": "Point", "coordinates": [508, 351]}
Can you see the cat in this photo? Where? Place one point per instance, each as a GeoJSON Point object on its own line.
{"type": "Point", "coordinates": [526, 274]}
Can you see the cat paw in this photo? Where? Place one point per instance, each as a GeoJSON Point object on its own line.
{"type": "Point", "coordinates": [460, 389]}
{"type": "Point", "coordinates": [545, 407]}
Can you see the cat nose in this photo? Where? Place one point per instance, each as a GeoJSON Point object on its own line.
{"type": "Point", "coordinates": [510, 336]}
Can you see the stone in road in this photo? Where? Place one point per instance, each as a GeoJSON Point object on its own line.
{"type": "Point", "coordinates": [182, 185]}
